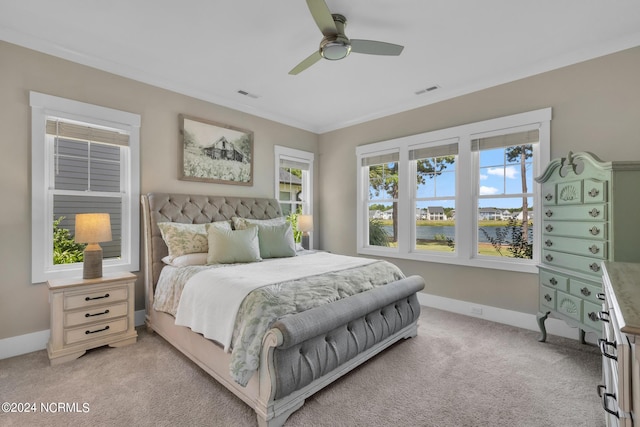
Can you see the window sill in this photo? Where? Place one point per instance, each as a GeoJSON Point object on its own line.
{"type": "Point", "coordinates": [453, 259]}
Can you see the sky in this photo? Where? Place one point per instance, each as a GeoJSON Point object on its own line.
{"type": "Point", "coordinates": [498, 178]}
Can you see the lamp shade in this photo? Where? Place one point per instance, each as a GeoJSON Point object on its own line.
{"type": "Point", "coordinates": [93, 228]}
{"type": "Point", "coordinates": [305, 223]}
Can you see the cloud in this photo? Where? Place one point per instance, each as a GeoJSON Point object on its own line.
{"type": "Point", "coordinates": [487, 190]}
{"type": "Point", "coordinates": [483, 177]}
{"type": "Point", "coordinates": [510, 172]}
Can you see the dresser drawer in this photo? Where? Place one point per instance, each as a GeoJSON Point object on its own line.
{"type": "Point", "coordinates": [594, 191]}
{"type": "Point", "coordinates": [96, 331]}
{"type": "Point", "coordinates": [547, 298]}
{"type": "Point", "coordinates": [549, 194]}
{"type": "Point", "coordinates": [554, 280]}
{"type": "Point", "coordinates": [590, 315]}
{"type": "Point", "coordinates": [82, 299]}
{"type": "Point", "coordinates": [574, 262]}
{"type": "Point", "coordinates": [576, 213]}
{"type": "Point", "coordinates": [569, 305]}
{"type": "Point", "coordinates": [569, 193]}
{"type": "Point", "coordinates": [586, 230]}
{"type": "Point", "coordinates": [591, 248]}
{"type": "Point", "coordinates": [588, 291]}
{"type": "Point", "coordinates": [75, 318]}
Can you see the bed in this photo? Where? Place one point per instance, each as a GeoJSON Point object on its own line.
{"type": "Point", "coordinates": [298, 354]}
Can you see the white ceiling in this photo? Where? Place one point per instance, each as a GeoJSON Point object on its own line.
{"type": "Point", "coordinates": [210, 49]}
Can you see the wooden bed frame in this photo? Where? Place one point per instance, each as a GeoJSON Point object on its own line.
{"type": "Point", "coordinates": [367, 313]}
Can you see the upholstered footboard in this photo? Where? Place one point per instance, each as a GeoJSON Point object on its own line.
{"type": "Point", "coordinates": [304, 352]}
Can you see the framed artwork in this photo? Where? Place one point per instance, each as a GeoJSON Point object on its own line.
{"type": "Point", "coordinates": [217, 153]}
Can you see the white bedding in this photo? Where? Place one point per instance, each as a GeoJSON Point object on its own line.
{"type": "Point", "coordinates": [211, 298]}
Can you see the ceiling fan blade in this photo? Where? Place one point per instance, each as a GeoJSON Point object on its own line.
{"type": "Point", "coordinates": [371, 47]}
{"type": "Point", "coordinates": [311, 59]}
{"type": "Point", "coordinates": [322, 15]}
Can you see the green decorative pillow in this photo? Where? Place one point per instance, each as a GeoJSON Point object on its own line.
{"type": "Point", "coordinates": [182, 239]}
{"type": "Point", "coordinates": [231, 246]}
{"type": "Point", "coordinates": [276, 241]}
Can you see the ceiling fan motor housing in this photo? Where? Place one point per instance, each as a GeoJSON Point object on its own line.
{"type": "Point", "coordinates": [335, 47]}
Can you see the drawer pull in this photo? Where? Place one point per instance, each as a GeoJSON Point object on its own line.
{"type": "Point", "coordinates": [585, 291]}
{"type": "Point", "coordinates": [548, 258]}
{"type": "Point", "coordinates": [549, 213]}
{"type": "Point", "coordinates": [601, 315]}
{"type": "Point", "coordinates": [94, 298]}
{"type": "Point", "coordinates": [600, 296]}
{"type": "Point", "coordinates": [96, 314]}
{"type": "Point", "coordinates": [553, 281]}
{"type": "Point", "coordinates": [594, 249]}
{"type": "Point", "coordinates": [594, 192]}
{"type": "Point", "coordinates": [548, 197]}
{"type": "Point", "coordinates": [549, 228]}
{"type": "Point", "coordinates": [97, 330]}
{"type": "Point", "coordinates": [594, 230]}
{"type": "Point", "coordinates": [594, 267]}
{"type": "Point", "coordinates": [593, 316]}
{"type": "Point", "coordinates": [594, 212]}
{"type": "Point", "coordinates": [548, 242]}
{"type": "Point", "coordinates": [548, 297]}
{"type": "Point", "coordinates": [606, 406]}
{"type": "Point", "coordinates": [603, 344]}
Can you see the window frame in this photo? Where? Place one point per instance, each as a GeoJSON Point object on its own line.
{"type": "Point", "coordinates": [42, 107]}
{"type": "Point", "coordinates": [300, 156]}
{"type": "Point", "coordinates": [467, 177]}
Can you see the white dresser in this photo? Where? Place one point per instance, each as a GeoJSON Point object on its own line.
{"type": "Point", "coordinates": [620, 317]}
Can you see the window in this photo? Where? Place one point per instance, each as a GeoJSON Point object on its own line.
{"type": "Point", "coordinates": [294, 181]}
{"type": "Point", "coordinates": [84, 159]}
{"type": "Point", "coordinates": [463, 195]}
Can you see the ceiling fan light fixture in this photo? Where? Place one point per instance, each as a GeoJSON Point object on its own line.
{"type": "Point", "coordinates": [335, 47]}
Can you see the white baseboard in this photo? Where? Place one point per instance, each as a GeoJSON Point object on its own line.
{"type": "Point", "coordinates": [27, 343]}
{"type": "Point", "coordinates": [501, 315]}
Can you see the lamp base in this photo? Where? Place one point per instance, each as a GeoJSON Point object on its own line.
{"type": "Point", "coordinates": [305, 241]}
{"type": "Point", "coordinates": [92, 265]}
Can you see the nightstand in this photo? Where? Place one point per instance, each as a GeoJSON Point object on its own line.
{"type": "Point", "coordinates": [89, 313]}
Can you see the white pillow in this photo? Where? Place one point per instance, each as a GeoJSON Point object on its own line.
{"type": "Point", "coordinates": [231, 246]}
{"type": "Point", "coordinates": [184, 239]}
{"type": "Point", "coordinates": [185, 260]}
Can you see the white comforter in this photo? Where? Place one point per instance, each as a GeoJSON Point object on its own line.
{"type": "Point", "coordinates": [210, 300]}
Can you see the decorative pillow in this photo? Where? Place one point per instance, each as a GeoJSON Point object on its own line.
{"type": "Point", "coordinates": [276, 241]}
{"type": "Point", "coordinates": [184, 239]}
{"type": "Point", "coordinates": [231, 246]}
{"type": "Point", "coordinates": [185, 260]}
{"type": "Point", "coordinates": [242, 223]}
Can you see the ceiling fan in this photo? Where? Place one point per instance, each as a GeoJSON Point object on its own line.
{"type": "Point", "coordinates": [335, 45]}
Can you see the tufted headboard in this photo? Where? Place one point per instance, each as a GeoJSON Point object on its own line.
{"type": "Point", "coordinates": [192, 209]}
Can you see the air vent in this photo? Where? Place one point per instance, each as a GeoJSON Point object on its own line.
{"type": "Point", "coordinates": [429, 89]}
{"type": "Point", "coordinates": [250, 95]}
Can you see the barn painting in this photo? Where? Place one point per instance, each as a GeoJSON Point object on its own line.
{"type": "Point", "coordinates": [212, 152]}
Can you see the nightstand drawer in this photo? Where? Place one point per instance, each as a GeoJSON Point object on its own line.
{"type": "Point", "coordinates": [82, 299]}
{"type": "Point", "coordinates": [96, 331]}
{"type": "Point", "coordinates": [75, 318]}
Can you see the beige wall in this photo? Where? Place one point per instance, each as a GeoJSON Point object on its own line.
{"type": "Point", "coordinates": [24, 307]}
{"type": "Point", "coordinates": [596, 107]}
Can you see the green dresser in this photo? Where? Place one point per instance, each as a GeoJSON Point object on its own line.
{"type": "Point", "coordinates": [590, 214]}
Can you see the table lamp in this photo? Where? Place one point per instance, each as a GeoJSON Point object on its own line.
{"type": "Point", "coordinates": [305, 225]}
{"type": "Point", "coordinates": [92, 228]}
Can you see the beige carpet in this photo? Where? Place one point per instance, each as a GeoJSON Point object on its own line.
{"type": "Point", "coordinates": [459, 371]}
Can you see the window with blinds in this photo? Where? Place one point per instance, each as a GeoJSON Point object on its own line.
{"type": "Point", "coordinates": [461, 195]}
{"type": "Point", "coordinates": [435, 197]}
{"type": "Point", "coordinates": [85, 159]}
